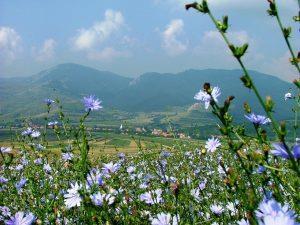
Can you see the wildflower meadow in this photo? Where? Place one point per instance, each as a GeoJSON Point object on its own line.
{"type": "Point", "coordinates": [234, 177]}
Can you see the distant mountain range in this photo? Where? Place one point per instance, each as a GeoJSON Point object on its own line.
{"type": "Point", "coordinates": [149, 92]}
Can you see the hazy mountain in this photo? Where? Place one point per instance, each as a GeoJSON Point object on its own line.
{"type": "Point", "coordinates": [149, 92]}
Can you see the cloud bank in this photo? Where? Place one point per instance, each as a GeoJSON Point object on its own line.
{"type": "Point", "coordinates": [99, 32]}
{"type": "Point", "coordinates": [10, 44]}
{"type": "Point", "coordinates": [171, 44]}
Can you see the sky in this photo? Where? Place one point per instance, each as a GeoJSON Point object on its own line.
{"type": "Point", "coordinates": [134, 37]}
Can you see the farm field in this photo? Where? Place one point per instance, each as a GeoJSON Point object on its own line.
{"type": "Point", "coordinates": [112, 143]}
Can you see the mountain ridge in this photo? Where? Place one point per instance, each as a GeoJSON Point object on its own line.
{"type": "Point", "coordinates": [149, 92]}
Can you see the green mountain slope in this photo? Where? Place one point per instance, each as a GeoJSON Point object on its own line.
{"type": "Point", "coordinates": [149, 92]}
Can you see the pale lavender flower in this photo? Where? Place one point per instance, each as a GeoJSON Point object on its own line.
{"type": "Point", "coordinates": [5, 150]}
{"type": "Point", "coordinates": [47, 168]}
{"type": "Point", "coordinates": [19, 167]}
{"type": "Point", "coordinates": [164, 219]}
{"type": "Point", "coordinates": [3, 180]}
{"type": "Point", "coordinates": [196, 193]}
{"type": "Point", "coordinates": [72, 197]}
{"type": "Point", "coordinates": [39, 147]}
{"type": "Point", "coordinates": [67, 156]}
{"type": "Point", "coordinates": [52, 123]}
{"type": "Point", "coordinates": [109, 199]}
{"type": "Point", "coordinates": [27, 132]}
{"type": "Point", "coordinates": [48, 101]}
{"type": "Point", "coordinates": [20, 218]}
{"type": "Point", "coordinates": [215, 93]}
{"type": "Point", "coordinates": [152, 197]}
{"type": "Point", "coordinates": [280, 150]}
{"type": "Point", "coordinates": [38, 161]}
{"type": "Point", "coordinates": [243, 222]}
{"type": "Point", "coordinates": [204, 97]}
{"type": "Point", "coordinates": [271, 212]}
{"type": "Point", "coordinates": [97, 199]}
{"type": "Point", "coordinates": [109, 168]}
{"type": "Point", "coordinates": [296, 151]}
{"type": "Point", "coordinates": [35, 134]}
{"type": "Point", "coordinates": [278, 220]}
{"type": "Point", "coordinates": [19, 185]}
{"type": "Point", "coordinates": [24, 161]}
{"type": "Point", "coordinates": [121, 156]}
{"type": "Point", "coordinates": [130, 169]}
{"type": "Point", "coordinates": [94, 177]}
{"type": "Point", "coordinates": [261, 169]}
{"type": "Point", "coordinates": [202, 185]}
{"type": "Point", "coordinates": [31, 132]}
{"type": "Point", "coordinates": [217, 209]}
{"type": "Point", "coordinates": [91, 103]}
{"type": "Point", "coordinates": [5, 211]}
{"type": "Point", "coordinates": [258, 119]}
{"type": "Point", "coordinates": [165, 154]}
{"type": "Point", "coordinates": [287, 96]}
{"type": "Point", "coordinates": [212, 144]}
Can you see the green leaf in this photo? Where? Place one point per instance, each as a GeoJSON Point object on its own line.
{"type": "Point", "coordinates": [246, 81]}
{"type": "Point", "coordinates": [287, 32]}
{"type": "Point", "coordinates": [272, 9]}
{"type": "Point", "coordinates": [238, 52]}
{"type": "Point", "coordinates": [223, 26]}
{"type": "Point", "coordinates": [200, 7]}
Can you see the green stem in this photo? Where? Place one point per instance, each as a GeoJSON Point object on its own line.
{"type": "Point", "coordinates": [296, 64]}
{"type": "Point", "coordinates": [296, 117]}
{"type": "Point", "coordinates": [253, 87]}
{"type": "Point", "coordinates": [84, 148]}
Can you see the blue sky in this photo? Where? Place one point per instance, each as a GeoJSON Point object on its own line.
{"type": "Point", "coordinates": [134, 37]}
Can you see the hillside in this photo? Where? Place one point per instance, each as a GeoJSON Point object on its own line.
{"type": "Point", "coordinates": [147, 93]}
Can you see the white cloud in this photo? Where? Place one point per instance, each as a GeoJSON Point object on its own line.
{"type": "Point", "coordinates": [171, 44]}
{"type": "Point", "coordinates": [236, 37]}
{"type": "Point", "coordinates": [107, 54]}
{"type": "Point", "coordinates": [281, 67]}
{"type": "Point", "coordinates": [99, 32]}
{"type": "Point", "coordinates": [213, 51]}
{"type": "Point", "coordinates": [10, 44]}
{"type": "Point", "coordinates": [212, 43]}
{"type": "Point", "coordinates": [47, 50]}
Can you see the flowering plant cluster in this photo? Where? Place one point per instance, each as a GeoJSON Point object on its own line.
{"type": "Point", "coordinates": [234, 178]}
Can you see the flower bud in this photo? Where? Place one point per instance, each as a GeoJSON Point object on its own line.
{"type": "Point", "coordinates": [269, 103]}
{"type": "Point", "coordinates": [282, 130]}
{"type": "Point", "coordinates": [206, 86]}
{"type": "Point", "coordinates": [296, 18]}
{"type": "Point", "coordinates": [200, 7]}
{"type": "Point", "coordinates": [238, 52]}
{"type": "Point", "coordinates": [297, 83]}
{"type": "Point", "coordinates": [246, 81]}
{"type": "Point", "coordinates": [247, 107]}
{"type": "Point", "coordinates": [223, 25]}
{"type": "Point", "coordinates": [175, 188]}
{"type": "Point", "coordinates": [223, 130]}
{"type": "Point", "coordinates": [287, 32]}
{"type": "Point", "coordinates": [228, 100]}
{"type": "Point", "coordinates": [272, 8]}
{"type": "Point", "coordinates": [264, 135]}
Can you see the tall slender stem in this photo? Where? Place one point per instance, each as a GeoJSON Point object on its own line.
{"type": "Point", "coordinates": [294, 58]}
{"type": "Point", "coordinates": [253, 87]}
